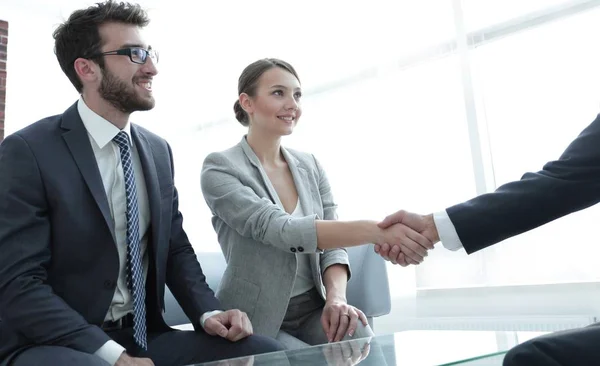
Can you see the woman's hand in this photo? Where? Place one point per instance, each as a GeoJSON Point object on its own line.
{"type": "Point", "coordinates": [339, 319]}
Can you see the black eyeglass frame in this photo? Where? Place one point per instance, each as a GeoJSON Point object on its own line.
{"type": "Point", "coordinates": [129, 51]}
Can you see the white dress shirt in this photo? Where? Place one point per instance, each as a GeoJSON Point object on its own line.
{"type": "Point", "coordinates": [447, 231]}
{"type": "Point", "coordinates": [108, 157]}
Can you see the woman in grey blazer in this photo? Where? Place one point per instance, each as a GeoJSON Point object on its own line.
{"type": "Point", "coordinates": [276, 222]}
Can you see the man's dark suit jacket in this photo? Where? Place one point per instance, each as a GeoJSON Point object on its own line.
{"type": "Point", "coordinates": [58, 258]}
{"type": "Point", "coordinates": [566, 185]}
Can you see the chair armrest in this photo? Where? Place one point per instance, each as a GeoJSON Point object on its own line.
{"type": "Point", "coordinates": [368, 289]}
{"type": "Point", "coordinates": [213, 266]}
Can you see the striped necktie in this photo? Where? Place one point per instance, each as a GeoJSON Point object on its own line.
{"type": "Point", "coordinates": [135, 279]}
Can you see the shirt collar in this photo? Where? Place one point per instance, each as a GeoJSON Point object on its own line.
{"type": "Point", "coordinates": [100, 129]}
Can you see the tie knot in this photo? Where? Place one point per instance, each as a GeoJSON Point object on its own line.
{"type": "Point", "coordinates": [122, 140]}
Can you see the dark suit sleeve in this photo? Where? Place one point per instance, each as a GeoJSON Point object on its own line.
{"type": "Point", "coordinates": [566, 185]}
{"type": "Point", "coordinates": [27, 303]}
{"type": "Point", "coordinates": [184, 274]}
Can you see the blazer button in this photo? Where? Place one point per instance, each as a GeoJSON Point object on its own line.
{"type": "Point", "coordinates": [293, 250]}
{"type": "Point", "coordinates": [301, 249]}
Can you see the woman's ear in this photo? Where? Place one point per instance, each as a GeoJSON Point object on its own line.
{"type": "Point", "coordinates": [246, 103]}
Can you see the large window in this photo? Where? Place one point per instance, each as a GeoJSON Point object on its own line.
{"type": "Point", "coordinates": [407, 105]}
{"type": "Point", "coordinates": [540, 89]}
{"type": "Point", "coordinates": [535, 91]}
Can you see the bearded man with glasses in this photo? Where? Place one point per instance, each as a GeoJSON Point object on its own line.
{"type": "Point", "coordinates": [90, 230]}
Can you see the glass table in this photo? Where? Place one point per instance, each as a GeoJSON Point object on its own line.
{"type": "Point", "coordinates": [422, 347]}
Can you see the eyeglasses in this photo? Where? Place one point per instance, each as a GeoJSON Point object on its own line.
{"type": "Point", "coordinates": [136, 54]}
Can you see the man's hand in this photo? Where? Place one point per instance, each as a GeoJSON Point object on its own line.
{"type": "Point", "coordinates": [421, 224]}
{"type": "Point", "coordinates": [410, 242]}
{"type": "Point", "coordinates": [126, 360]}
{"type": "Point", "coordinates": [231, 324]}
{"type": "Point", "coordinates": [339, 318]}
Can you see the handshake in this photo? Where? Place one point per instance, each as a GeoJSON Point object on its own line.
{"type": "Point", "coordinates": [406, 238]}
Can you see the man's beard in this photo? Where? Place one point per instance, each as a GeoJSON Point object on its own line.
{"type": "Point", "coordinates": [121, 95]}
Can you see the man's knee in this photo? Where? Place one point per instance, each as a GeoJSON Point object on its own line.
{"type": "Point", "coordinates": [61, 355]}
{"type": "Point", "coordinates": [528, 354]}
{"type": "Point", "coordinates": [512, 357]}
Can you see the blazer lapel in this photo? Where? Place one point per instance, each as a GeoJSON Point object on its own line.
{"type": "Point", "coordinates": [306, 194]}
{"type": "Point", "coordinates": [299, 173]}
{"type": "Point", "coordinates": [77, 140]}
{"type": "Point", "coordinates": [301, 180]}
{"type": "Point", "coordinates": [267, 182]}
{"type": "Point", "coordinates": [151, 178]}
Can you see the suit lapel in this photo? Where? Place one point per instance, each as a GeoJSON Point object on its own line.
{"type": "Point", "coordinates": [78, 142]}
{"type": "Point", "coordinates": [151, 178]}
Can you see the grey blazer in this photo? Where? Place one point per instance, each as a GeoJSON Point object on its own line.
{"type": "Point", "coordinates": [258, 238]}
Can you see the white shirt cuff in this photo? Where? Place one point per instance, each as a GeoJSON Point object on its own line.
{"type": "Point", "coordinates": [110, 352]}
{"type": "Point", "coordinates": [447, 231]}
{"type": "Point", "coordinates": [207, 315]}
